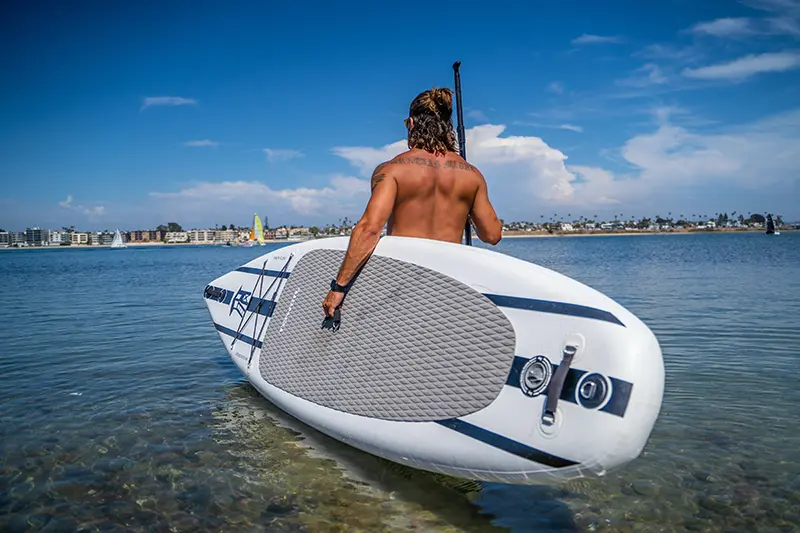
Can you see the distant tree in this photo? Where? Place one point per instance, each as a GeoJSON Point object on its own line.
{"type": "Point", "coordinates": [741, 218]}
{"type": "Point", "coordinates": [224, 227]}
{"type": "Point", "coordinates": [232, 226]}
{"type": "Point", "coordinates": [174, 226]}
{"type": "Point", "coordinates": [266, 222]}
{"type": "Point", "coordinates": [778, 220]}
{"type": "Point", "coordinates": [162, 227]}
{"type": "Point", "coordinates": [314, 231]}
{"type": "Point", "coordinates": [758, 218]}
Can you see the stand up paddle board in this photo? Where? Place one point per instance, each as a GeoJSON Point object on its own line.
{"type": "Point", "coordinates": [448, 358]}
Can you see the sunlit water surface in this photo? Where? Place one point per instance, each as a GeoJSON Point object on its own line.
{"type": "Point", "coordinates": [120, 410]}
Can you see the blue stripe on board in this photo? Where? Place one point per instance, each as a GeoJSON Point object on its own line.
{"type": "Point", "coordinates": [270, 273]}
{"type": "Point", "coordinates": [559, 308]}
{"type": "Point", "coordinates": [620, 389]}
{"type": "Point", "coordinates": [244, 338]}
{"type": "Point", "coordinates": [504, 443]}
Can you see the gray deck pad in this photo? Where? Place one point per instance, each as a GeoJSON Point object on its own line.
{"type": "Point", "coordinates": [414, 344]}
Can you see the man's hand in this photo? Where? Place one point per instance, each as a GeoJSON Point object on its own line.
{"type": "Point", "coordinates": [331, 302]}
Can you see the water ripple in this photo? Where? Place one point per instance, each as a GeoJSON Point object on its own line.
{"type": "Point", "coordinates": [119, 405]}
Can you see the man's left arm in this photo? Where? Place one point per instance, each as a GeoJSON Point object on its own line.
{"type": "Point", "coordinates": [366, 233]}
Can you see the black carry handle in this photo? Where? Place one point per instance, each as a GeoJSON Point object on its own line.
{"type": "Point", "coordinates": [462, 141]}
{"type": "Point", "coordinates": [557, 385]}
{"type": "Point", "coordinates": [333, 322]}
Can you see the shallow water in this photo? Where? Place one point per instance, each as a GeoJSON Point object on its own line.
{"type": "Point", "coordinates": [120, 410]}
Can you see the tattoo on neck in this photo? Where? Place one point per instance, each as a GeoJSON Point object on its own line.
{"type": "Point", "coordinates": [433, 163]}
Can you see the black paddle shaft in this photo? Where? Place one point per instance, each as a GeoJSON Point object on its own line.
{"type": "Point", "coordinates": [462, 140]}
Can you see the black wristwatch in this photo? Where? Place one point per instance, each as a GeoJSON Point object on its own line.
{"type": "Point", "coordinates": [335, 287]}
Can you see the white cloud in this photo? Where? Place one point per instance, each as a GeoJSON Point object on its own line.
{"type": "Point", "coordinates": [568, 127]}
{"type": "Point", "coordinates": [526, 173]}
{"type": "Point", "coordinates": [478, 115]}
{"type": "Point", "coordinates": [555, 87]}
{"type": "Point", "coordinates": [282, 154]}
{"type": "Point", "coordinates": [666, 166]}
{"type": "Point", "coordinates": [747, 66]}
{"type": "Point", "coordinates": [662, 51]}
{"type": "Point", "coordinates": [88, 211]}
{"type": "Point", "coordinates": [343, 194]}
{"type": "Point", "coordinates": [785, 19]}
{"type": "Point", "coordinates": [366, 158]}
{"type": "Point", "coordinates": [542, 167]}
{"type": "Point", "coordinates": [202, 143]}
{"type": "Point", "coordinates": [587, 38]}
{"type": "Point", "coordinates": [672, 159]}
{"type": "Point", "coordinates": [166, 101]}
{"type": "Point", "coordinates": [725, 27]}
{"type": "Point", "coordinates": [646, 75]}
{"type": "Point", "coordinates": [784, 26]}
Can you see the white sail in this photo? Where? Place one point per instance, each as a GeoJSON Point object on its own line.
{"type": "Point", "coordinates": [117, 242]}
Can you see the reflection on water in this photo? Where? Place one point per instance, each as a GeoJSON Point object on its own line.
{"type": "Point", "coordinates": [119, 409]}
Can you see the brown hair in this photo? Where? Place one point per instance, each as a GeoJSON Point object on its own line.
{"type": "Point", "coordinates": [432, 131]}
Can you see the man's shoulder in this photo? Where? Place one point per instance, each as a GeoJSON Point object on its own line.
{"type": "Point", "coordinates": [414, 159]}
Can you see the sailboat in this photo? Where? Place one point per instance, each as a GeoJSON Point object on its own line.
{"type": "Point", "coordinates": [256, 233]}
{"type": "Point", "coordinates": [117, 242]}
{"type": "Point", "coordinates": [771, 226]}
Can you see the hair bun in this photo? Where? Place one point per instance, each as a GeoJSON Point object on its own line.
{"type": "Point", "coordinates": [443, 102]}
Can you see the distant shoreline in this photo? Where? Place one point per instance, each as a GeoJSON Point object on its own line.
{"type": "Point", "coordinates": [139, 244]}
{"type": "Point", "coordinates": [506, 235]}
{"type": "Point", "coordinates": [620, 233]}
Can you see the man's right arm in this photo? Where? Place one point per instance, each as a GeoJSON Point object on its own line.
{"type": "Point", "coordinates": [483, 216]}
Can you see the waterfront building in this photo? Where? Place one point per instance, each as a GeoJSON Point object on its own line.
{"type": "Point", "coordinates": [225, 235]}
{"type": "Point", "coordinates": [177, 236]}
{"type": "Point", "coordinates": [17, 238]}
{"type": "Point", "coordinates": [79, 237]}
{"type": "Point", "coordinates": [106, 237]}
{"type": "Point", "coordinates": [5, 239]}
{"type": "Point", "coordinates": [201, 236]}
{"type": "Point", "coordinates": [146, 235]}
{"type": "Point", "coordinates": [33, 236]}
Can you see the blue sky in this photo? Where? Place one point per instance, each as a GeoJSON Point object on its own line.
{"type": "Point", "coordinates": [120, 115]}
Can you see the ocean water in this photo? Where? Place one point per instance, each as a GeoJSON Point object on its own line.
{"type": "Point", "coordinates": [120, 410]}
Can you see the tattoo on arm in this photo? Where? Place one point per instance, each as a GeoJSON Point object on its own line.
{"type": "Point", "coordinates": [377, 178]}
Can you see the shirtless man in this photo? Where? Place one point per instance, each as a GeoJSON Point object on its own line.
{"type": "Point", "coordinates": [427, 192]}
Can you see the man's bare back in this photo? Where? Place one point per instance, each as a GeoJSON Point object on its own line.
{"type": "Point", "coordinates": [427, 192]}
{"type": "Point", "coordinates": [435, 195]}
